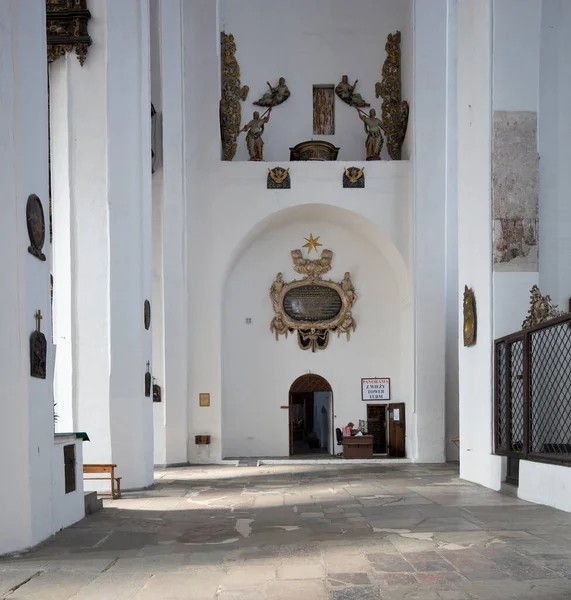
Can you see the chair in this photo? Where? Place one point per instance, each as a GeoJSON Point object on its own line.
{"type": "Point", "coordinates": [339, 436]}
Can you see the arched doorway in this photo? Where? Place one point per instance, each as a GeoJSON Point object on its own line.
{"type": "Point", "coordinates": [310, 416]}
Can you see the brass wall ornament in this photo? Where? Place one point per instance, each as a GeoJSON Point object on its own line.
{"type": "Point", "coordinates": [312, 306]}
{"type": "Point", "coordinates": [541, 309]}
{"type": "Point", "coordinates": [66, 28]}
{"type": "Point", "coordinates": [469, 317]}
{"type": "Point", "coordinates": [232, 94]}
{"type": "Point", "coordinates": [279, 179]}
{"type": "Point", "coordinates": [353, 177]}
{"type": "Point", "coordinates": [394, 110]}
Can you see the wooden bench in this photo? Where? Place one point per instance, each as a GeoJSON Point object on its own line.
{"type": "Point", "coordinates": [109, 470]}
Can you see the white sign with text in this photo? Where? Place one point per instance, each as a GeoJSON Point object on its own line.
{"type": "Point", "coordinates": [376, 388]}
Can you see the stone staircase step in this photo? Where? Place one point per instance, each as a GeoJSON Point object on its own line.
{"type": "Point", "coordinates": [92, 503]}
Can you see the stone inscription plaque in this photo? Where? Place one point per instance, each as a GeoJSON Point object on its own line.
{"type": "Point", "coordinates": [312, 303]}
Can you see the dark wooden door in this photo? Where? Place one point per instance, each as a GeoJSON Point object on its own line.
{"type": "Point", "coordinates": [397, 430]}
{"type": "Point", "coordinates": [290, 424]}
{"type": "Point", "coordinates": [377, 427]}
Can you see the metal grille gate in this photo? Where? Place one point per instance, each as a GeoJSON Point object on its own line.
{"type": "Point", "coordinates": [532, 395]}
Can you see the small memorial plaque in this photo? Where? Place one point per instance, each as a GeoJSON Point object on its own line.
{"type": "Point", "coordinates": [312, 303]}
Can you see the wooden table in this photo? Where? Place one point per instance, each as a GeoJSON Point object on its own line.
{"type": "Point", "coordinates": [358, 446]}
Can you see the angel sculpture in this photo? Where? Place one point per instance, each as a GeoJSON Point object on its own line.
{"type": "Point", "coordinates": [346, 92]}
{"type": "Point", "coordinates": [277, 95]}
{"type": "Point", "coordinates": [255, 130]}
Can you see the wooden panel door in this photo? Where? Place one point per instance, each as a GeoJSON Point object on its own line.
{"type": "Point", "coordinates": [376, 426]}
{"type": "Point", "coordinates": [397, 430]}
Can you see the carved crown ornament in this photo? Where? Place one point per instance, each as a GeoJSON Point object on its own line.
{"type": "Point", "coordinates": [66, 28]}
{"type": "Point", "coordinates": [312, 307]}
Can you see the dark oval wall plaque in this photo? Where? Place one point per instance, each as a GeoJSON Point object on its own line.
{"type": "Point", "coordinates": [312, 303]}
{"type": "Point", "coordinates": [36, 226]}
{"type": "Point", "coordinates": [147, 312]}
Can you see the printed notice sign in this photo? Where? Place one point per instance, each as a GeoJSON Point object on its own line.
{"type": "Point", "coordinates": [376, 388]}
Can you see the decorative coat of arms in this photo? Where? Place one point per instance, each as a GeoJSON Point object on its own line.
{"type": "Point", "coordinates": [353, 177]}
{"type": "Point", "coordinates": [312, 306]}
{"type": "Point", "coordinates": [279, 179]}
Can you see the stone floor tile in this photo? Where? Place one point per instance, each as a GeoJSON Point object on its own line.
{"type": "Point", "coordinates": [438, 577]}
{"type": "Point", "coordinates": [347, 579]}
{"type": "Point", "coordinates": [52, 586]}
{"type": "Point", "coordinates": [246, 575]}
{"type": "Point", "coordinates": [118, 586]}
{"type": "Point", "coordinates": [356, 593]}
{"type": "Point", "coordinates": [391, 579]}
{"type": "Point", "coordinates": [389, 563]}
{"type": "Point", "coordinates": [292, 590]}
{"type": "Point", "coordinates": [301, 571]}
{"type": "Point", "coordinates": [179, 587]}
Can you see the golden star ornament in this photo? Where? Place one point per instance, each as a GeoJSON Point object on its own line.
{"type": "Point", "coordinates": [312, 243]}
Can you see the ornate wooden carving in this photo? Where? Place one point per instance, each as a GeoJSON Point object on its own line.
{"type": "Point", "coordinates": [314, 150]}
{"type": "Point", "coordinates": [232, 93]}
{"type": "Point", "coordinates": [66, 28]}
{"type": "Point", "coordinates": [394, 110]}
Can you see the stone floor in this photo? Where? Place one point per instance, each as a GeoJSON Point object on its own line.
{"type": "Point", "coordinates": [304, 532]}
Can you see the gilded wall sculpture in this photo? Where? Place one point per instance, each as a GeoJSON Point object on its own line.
{"type": "Point", "coordinates": [278, 179]}
{"type": "Point", "coordinates": [353, 177]}
{"type": "Point", "coordinates": [394, 109]}
{"type": "Point", "coordinates": [232, 94]}
{"type": "Point", "coordinates": [312, 307]}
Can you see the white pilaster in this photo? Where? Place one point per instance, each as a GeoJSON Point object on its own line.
{"type": "Point", "coordinates": [102, 172]}
{"type": "Point", "coordinates": [172, 251]}
{"type": "Point", "coordinates": [26, 426]}
{"type": "Point", "coordinates": [475, 238]}
{"type": "Point", "coordinates": [429, 109]}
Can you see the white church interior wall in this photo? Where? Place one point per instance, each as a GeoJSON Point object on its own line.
{"type": "Point", "coordinates": [555, 151]}
{"type": "Point", "coordinates": [67, 508]}
{"type": "Point", "coordinates": [312, 43]}
{"type": "Point", "coordinates": [474, 231]}
{"type": "Point", "coordinates": [258, 370]}
{"type": "Point", "coordinates": [515, 67]}
{"type": "Point", "coordinates": [545, 484]}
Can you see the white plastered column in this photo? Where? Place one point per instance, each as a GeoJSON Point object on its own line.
{"type": "Point", "coordinates": [477, 463]}
{"type": "Point", "coordinates": [169, 218]}
{"type": "Point", "coordinates": [429, 158]}
{"type": "Point", "coordinates": [26, 403]}
{"type": "Point", "coordinates": [101, 152]}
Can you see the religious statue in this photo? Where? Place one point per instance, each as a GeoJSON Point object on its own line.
{"type": "Point", "coordinates": [346, 92]}
{"type": "Point", "coordinates": [255, 129]}
{"type": "Point", "coordinates": [541, 309]}
{"type": "Point", "coordinates": [275, 292]}
{"type": "Point", "coordinates": [373, 125]}
{"type": "Point", "coordinates": [348, 288]}
{"type": "Point", "coordinates": [278, 327]}
{"type": "Point", "coordinates": [277, 95]}
{"type": "Point", "coordinates": [347, 325]}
